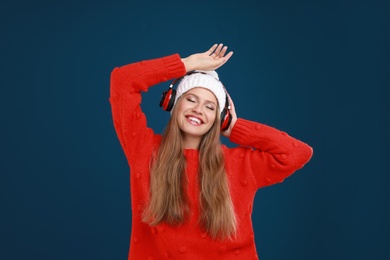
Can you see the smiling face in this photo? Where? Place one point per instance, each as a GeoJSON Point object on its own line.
{"type": "Point", "coordinates": [196, 114]}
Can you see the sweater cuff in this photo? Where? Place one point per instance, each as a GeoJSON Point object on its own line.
{"type": "Point", "coordinates": [242, 129]}
{"type": "Point", "coordinates": [175, 67]}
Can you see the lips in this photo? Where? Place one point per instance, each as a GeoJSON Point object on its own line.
{"type": "Point", "coordinates": [194, 120]}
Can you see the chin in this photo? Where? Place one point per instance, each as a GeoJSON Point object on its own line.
{"type": "Point", "coordinates": [192, 131]}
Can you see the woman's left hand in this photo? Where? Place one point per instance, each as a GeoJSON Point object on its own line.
{"type": "Point", "coordinates": [233, 114]}
{"type": "Point", "coordinates": [212, 59]}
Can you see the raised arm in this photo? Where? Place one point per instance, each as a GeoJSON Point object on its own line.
{"type": "Point", "coordinates": [127, 82]}
{"type": "Point", "coordinates": [268, 154]}
{"type": "Point", "coordinates": [273, 154]}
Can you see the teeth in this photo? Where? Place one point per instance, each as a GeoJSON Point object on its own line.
{"type": "Point", "coordinates": [193, 119]}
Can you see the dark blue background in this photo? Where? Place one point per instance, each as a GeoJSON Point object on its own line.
{"type": "Point", "coordinates": [318, 70]}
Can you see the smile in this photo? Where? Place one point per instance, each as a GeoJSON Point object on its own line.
{"type": "Point", "coordinates": [194, 120]}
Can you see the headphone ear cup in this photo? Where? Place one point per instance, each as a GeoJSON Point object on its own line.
{"type": "Point", "coordinates": [168, 99]}
{"type": "Point", "coordinates": [226, 119]}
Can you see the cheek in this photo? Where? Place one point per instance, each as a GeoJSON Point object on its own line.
{"type": "Point", "coordinates": [212, 116]}
{"type": "Point", "coordinates": [181, 107]}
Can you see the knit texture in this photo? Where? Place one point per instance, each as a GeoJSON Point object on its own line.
{"type": "Point", "coordinates": [205, 79]}
{"type": "Point", "coordinates": [265, 156]}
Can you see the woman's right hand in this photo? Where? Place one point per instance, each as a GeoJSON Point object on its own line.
{"type": "Point", "coordinates": [210, 60]}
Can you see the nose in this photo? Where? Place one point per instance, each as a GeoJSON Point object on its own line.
{"type": "Point", "coordinates": [197, 109]}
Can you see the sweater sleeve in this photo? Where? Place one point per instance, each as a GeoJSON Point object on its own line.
{"type": "Point", "coordinates": [126, 84]}
{"type": "Point", "coordinates": [274, 155]}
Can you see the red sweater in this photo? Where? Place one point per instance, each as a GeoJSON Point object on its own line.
{"type": "Point", "coordinates": [275, 156]}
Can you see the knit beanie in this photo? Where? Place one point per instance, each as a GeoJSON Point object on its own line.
{"type": "Point", "coordinates": [205, 79]}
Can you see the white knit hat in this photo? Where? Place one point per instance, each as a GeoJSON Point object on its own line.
{"type": "Point", "coordinates": [205, 79]}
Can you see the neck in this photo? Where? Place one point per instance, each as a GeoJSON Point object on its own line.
{"type": "Point", "coordinates": [191, 142]}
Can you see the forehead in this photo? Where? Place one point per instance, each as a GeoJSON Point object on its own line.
{"type": "Point", "coordinates": [203, 93]}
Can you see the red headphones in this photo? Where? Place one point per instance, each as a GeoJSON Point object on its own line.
{"type": "Point", "coordinates": [168, 100]}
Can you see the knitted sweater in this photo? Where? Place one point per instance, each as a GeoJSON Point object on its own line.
{"type": "Point", "coordinates": [265, 156]}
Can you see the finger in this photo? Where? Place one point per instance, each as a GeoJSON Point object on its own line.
{"type": "Point", "coordinates": [218, 62]}
{"type": "Point", "coordinates": [218, 49]}
{"type": "Point", "coordinates": [212, 49]}
{"type": "Point", "coordinates": [228, 56]}
{"type": "Point", "coordinates": [223, 51]}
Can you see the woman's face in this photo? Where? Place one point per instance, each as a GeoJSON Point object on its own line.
{"type": "Point", "coordinates": [196, 113]}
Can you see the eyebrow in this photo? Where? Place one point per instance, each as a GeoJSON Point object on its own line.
{"type": "Point", "coordinates": [206, 100]}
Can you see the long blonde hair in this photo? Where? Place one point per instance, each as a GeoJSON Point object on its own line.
{"type": "Point", "coordinates": [168, 198]}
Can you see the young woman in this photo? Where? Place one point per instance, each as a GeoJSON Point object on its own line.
{"type": "Point", "coordinates": [192, 196]}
